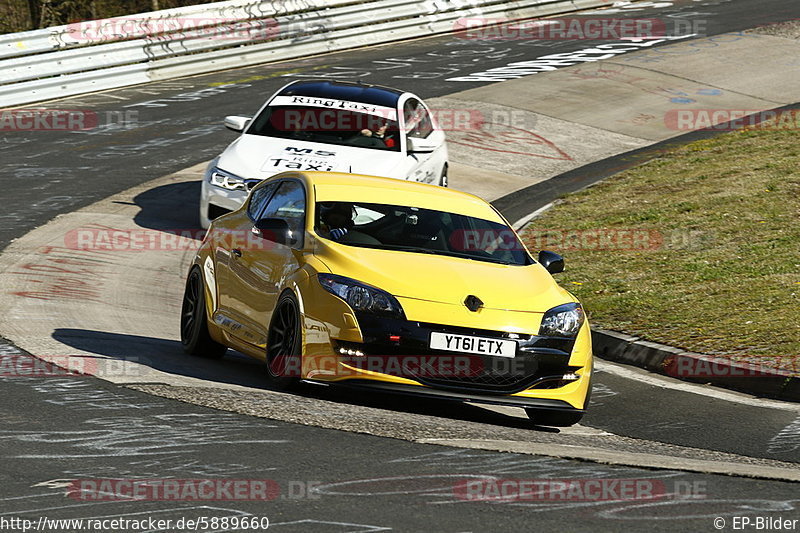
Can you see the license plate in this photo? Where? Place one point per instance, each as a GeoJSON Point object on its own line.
{"type": "Point", "coordinates": [469, 344]}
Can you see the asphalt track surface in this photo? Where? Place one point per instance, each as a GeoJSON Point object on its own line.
{"type": "Point", "coordinates": [83, 428]}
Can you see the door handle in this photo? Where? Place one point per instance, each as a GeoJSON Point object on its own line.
{"type": "Point", "coordinates": [236, 252]}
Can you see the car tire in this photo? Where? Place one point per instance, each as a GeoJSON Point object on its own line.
{"type": "Point", "coordinates": [195, 338]}
{"type": "Point", "coordinates": [284, 341]}
{"type": "Point", "coordinates": [443, 177]}
{"type": "Point", "coordinates": [560, 419]}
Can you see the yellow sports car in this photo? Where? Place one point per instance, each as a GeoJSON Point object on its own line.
{"type": "Point", "coordinates": [392, 285]}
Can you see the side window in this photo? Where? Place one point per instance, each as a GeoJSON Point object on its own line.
{"type": "Point", "coordinates": [418, 120]}
{"type": "Point", "coordinates": [289, 203]}
{"type": "Point", "coordinates": [259, 199]}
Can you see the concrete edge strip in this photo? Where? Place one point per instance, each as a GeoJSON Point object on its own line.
{"type": "Point", "coordinates": [526, 204]}
{"type": "Point", "coordinates": [630, 459]}
{"type": "Point", "coordinates": [695, 367]}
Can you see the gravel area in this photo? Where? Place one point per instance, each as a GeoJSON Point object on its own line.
{"type": "Point", "coordinates": [790, 30]}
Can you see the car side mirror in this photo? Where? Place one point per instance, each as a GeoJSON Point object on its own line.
{"type": "Point", "coordinates": [236, 123]}
{"type": "Point", "coordinates": [275, 230]}
{"type": "Point", "coordinates": [551, 261]}
{"type": "Point", "coordinates": [419, 146]}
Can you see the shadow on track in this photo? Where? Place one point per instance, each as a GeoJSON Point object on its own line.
{"type": "Point", "coordinates": [236, 369]}
{"type": "Point", "coordinates": [164, 355]}
{"type": "Point", "coordinates": [169, 207]}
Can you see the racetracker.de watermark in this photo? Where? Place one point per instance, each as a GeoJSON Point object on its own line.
{"type": "Point", "coordinates": [57, 366]}
{"type": "Point", "coordinates": [558, 490]}
{"type": "Point", "coordinates": [320, 119]}
{"type": "Point", "coordinates": [495, 359]}
{"type": "Point", "coordinates": [599, 239]}
{"type": "Point", "coordinates": [574, 28]}
{"type": "Point", "coordinates": [594, 239]}
{"type": "Point", "coordinates": [190, 490]}
{"type": "Point", "coordinates": [30, 119]}
{"type": "Point", "coordinates": [47, 120]}
{"type": "Point", "coordinates": [173, 28]}
{"type": "Point", "coordinates": [708, 366]}
{"type": "Point", "coordinates": [104, 239]}
{"type": "Point", "coordinates": [732, 119]}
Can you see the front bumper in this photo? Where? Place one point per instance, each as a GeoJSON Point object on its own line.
{"type": "Point", "coordinates": [216, 201]}
{"type": "Point", "coordinates": [395, 355]}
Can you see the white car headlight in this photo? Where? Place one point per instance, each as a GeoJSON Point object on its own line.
{"type": "Point", "coordinates": [226, 180]}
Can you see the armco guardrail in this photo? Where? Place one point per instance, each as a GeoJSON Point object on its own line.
{"type": "Point", "coordinates": [98, 55]}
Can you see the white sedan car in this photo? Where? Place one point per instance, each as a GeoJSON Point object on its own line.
{"type": "Point", "coordinates": [326, 126]}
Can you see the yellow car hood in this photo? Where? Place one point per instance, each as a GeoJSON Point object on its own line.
{"type": "Point", "coordinates": [444, 279]}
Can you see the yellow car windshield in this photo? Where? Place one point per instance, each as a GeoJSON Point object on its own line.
{"type": "Point", "coordinates": [417, 230]}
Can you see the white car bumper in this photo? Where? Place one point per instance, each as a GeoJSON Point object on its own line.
{"type": "Point", "coordinates": [216, 201]}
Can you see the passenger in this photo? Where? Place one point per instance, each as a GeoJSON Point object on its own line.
{"type": "Point", "coordinates": [379, 135]}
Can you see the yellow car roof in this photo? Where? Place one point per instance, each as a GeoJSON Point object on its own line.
{"type": "Point", "coordinates": [342, 187]}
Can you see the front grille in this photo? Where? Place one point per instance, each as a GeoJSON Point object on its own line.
{"type": "Point", "coordinates": [529, 370]}
{"type": "Point", "coordinates": [539, 362]}
{"type": "Point", "coordinates": [492, 382]}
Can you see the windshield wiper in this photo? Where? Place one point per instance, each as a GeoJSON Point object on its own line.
{"type": "Point", "coordinates": [390, 247]}
{"type": "Point", "coordinates": [447, 253]}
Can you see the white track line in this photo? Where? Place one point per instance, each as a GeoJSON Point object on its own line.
{"type": "Point", "coordinates": [643, 376]}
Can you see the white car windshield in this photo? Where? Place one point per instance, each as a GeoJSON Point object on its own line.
{"type": "Point", "coordinates": [344, 127]}
{"type": "Point", "coordinates": [416, 230]}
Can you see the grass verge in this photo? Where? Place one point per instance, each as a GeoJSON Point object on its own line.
{"type": "Point", "coordinates": [698, 248]}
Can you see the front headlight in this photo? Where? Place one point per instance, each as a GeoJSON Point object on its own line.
{"type": "Point", "coordinates": [362, 297]}
{"type": "Point", "coordinates": [562, 321]}
{"type": "Point", "coordinates": [226, 180]}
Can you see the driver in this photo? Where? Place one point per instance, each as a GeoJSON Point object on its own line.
{"type": "Point", "coordinates": [336, 219]}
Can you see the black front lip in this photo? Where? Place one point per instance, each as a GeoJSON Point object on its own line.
{"type": "Point", "coordinates": [429, 392]}
{"type": "Point", "coordinates": [539, 362]}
